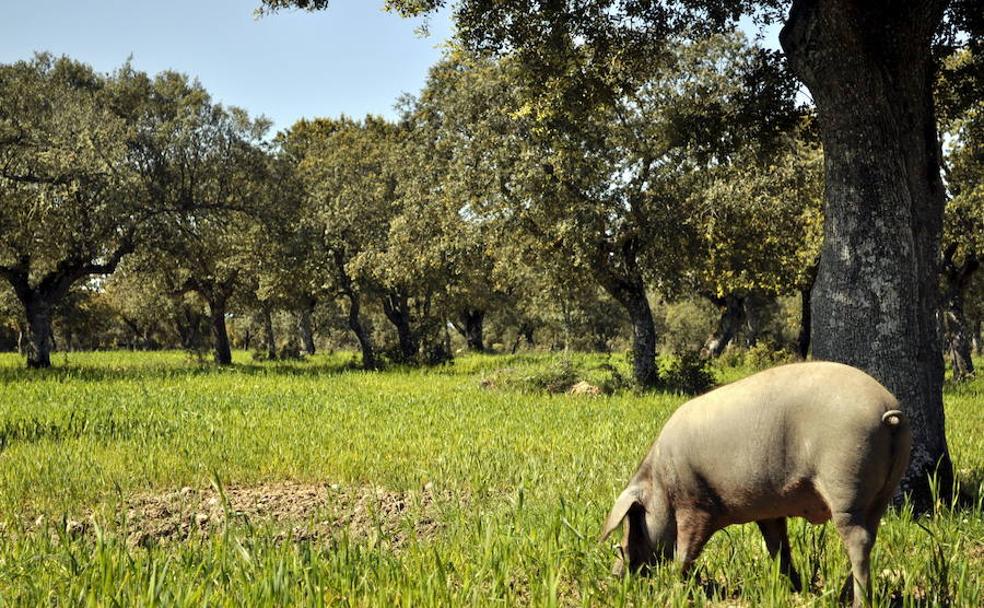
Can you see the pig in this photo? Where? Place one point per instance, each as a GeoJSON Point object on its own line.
{"type": "Point", "coordinates": [818, 440]}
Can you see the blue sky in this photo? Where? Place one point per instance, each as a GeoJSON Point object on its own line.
{"type": "Point", "coordinates": [353, 58]}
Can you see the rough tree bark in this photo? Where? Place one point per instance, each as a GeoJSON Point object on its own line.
{"type": "Point", "coordinates": [188, 323]}
{"type": "Point", "coordinates": [754, 312]}
{"type": "Point", "coordinates": [39, 336]}
{"type": "Point", "coordinates": [348, 289]}
{"type": "Point", "coordinates": [803, 337]}
{"type": "Point", "coordinates": [528, 330]}
{"type": "Point", "coordinates": [976, 344]}
{"type": "Point", "coordinates": [631, 294]}
{"type": "Point", "coordinates": [525, 332]}
{"type": "Point", "coordinates": [216, 294]}
{"type": "Point", "coordinates": [870, 71]}
{"type": "Point", "coordinates": [731, 307]}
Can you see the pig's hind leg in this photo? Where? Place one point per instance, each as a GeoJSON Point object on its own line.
{"type": "Point", "coordinates": [858, 534]}
{"type": "Point", "coordinates": [777, 543]}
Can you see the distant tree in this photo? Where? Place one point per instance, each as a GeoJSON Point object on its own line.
{"type": "Point", "coordinates": [594, 181]}
{"type": "Point", "coordinates": [473, 294]}
{"type": "Point", "coordinates": [299, 273]}
{"type": "Point", "coordinates": [349, 200]}
{"type": "Point", "coordinates": [960, 91]}
{"type": "Point", "coordinates": [759, 223]}
{"type": "Point", "coordinates": [67, 206]}
{"type": "Point", "coordinates": [150, 314]}
{"type": "Point", "coordinates": [410, 266]}
{"type": "Point", "coordinates": [203, 165]}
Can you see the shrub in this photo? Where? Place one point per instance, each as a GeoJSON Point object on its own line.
{"type": "Point", "coordinates": [766, 354]}
{"type": "Point", "coordinates": [732, 357]}
{"type": "Point", "coordinates": [291, 351]}
{"type": "Point", "coordinates": [686, 373]}
{"type": "Point", "coordinates": [559, 377]}
{"type": "Point", "coordinates": [614, 381]}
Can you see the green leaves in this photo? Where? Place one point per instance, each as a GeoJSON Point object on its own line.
{"type": "Point", "coordinates": [760, 220]}
{"type": "Point", "coordinates": [63, 179]}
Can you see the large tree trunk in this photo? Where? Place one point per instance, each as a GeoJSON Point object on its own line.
{"type": "Point", "coordinates": [365, 340]}
{"type": "Point", "coordinates": [305, 326]}
{"type": "Point", "coordinates": [869, 69]}
{"type": "Point", "coordinates": [471, 329]}
{"type": "Point", "coordinates": [220, 335]}
{"type": "Point", "coordinates": [730, 306]}
{"type": "Point", "coordinates": [39, 335]}
{"type": "Point", "coordinates": [631, 294]}
{"type": "Point", "coordinates": [396, 306]}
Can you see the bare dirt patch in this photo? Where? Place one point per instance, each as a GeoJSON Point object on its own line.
{"type": "Point", "coordinates": [295, 511]}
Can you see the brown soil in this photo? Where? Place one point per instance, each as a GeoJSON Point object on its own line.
{"type": "Point", "coordinates": [295, 511]}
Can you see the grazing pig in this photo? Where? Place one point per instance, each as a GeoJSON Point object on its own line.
{"type": "Point", "coordinates": [817, 440]}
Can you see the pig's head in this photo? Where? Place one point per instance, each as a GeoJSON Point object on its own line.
{"type": "Point", "coordinates": [650, 528]}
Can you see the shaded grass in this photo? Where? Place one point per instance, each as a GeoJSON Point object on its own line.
{"type": "Point", "coordinates": [540, 470]}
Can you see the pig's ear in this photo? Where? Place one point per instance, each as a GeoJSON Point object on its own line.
{"type": "Point", "coordinates": [630, 496]}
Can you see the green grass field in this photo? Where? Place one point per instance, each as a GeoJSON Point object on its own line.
{"type": "Point", "coordinates": [145, 479]}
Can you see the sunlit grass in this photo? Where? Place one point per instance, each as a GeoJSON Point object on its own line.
{"type": "Point", "coordinates": [523, 480]}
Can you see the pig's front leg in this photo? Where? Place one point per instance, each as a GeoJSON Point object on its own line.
{"type": "Point", "coordinates": [694, 528]}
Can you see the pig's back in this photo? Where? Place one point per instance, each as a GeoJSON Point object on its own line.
{"type": "Point", "coordinates": [756, 442]}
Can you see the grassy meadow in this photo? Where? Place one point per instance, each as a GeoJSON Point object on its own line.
{"type": "Point", "coordinates": [146, 479]}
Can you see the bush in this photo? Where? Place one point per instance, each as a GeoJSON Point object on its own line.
{"type": "Point", "coordinates": [259, 356]}
{"type": "Point", "coordinates": [559, 374]}
{"type": "Point", "coordinates": [291, 351]}
{"type": "Point", "coordinates": [614, 381]}
{"type": "Point", "coordinates": [766, 354]}
{"type": "Point", "coordinates": [559, 377]}
{"type": "Point", "coordinates": [732, 356]}
{"type": "Point", "coordinates": [686, 373]}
